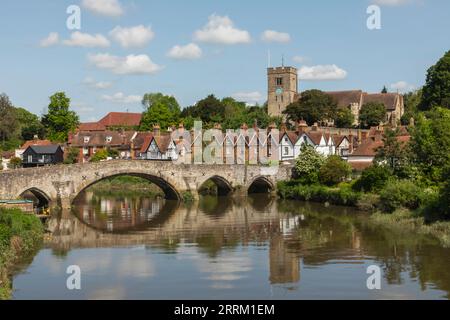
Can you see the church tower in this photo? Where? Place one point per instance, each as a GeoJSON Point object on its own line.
{"type": "Point", "coordinates": [282, 89]}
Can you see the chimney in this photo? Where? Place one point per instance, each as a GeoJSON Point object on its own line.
{"type": "Point", "coordinates": [244, 126]}
{"type": "Point", "coordinates": [315, 127]}
{"type": "Point", "coordinates": [359, 136]}
{"type": "Point", "coordinates": [156, 130]}
{"type": "Point", "coordinates": [272, 126]}
{"type": "Point", "coordinates": [283, 127]}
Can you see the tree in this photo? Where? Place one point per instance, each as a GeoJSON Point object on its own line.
{"type": "Point", "coordinates": [59, 120]}
{"type": "Point", "coordinates": [30, 125]}
{"type": "Point", "coordinates": [159, 114]}
{"type": "Point", "coordinates": [313, 106]}
{"type": "Point", "coordinates": [15, 163]}
{"type": "Point", "coordinates": [412, 102]}
{"type": "Point", "coordinates": [436, 91]}
{"type": "Point", "coordinates": [159, 109]}
{"type": "Point", "coordinates": [372, 114]}
{"type": "Point", "coordinates": [8, 122]}
{"type": "Point", "coordinates": [71, 155]}
{"type": "Point", "coordinates": [308, 164]}
{"type": "Point", "coordinates": [344, 118]}
{"type": "Point", "coordinates": [395, 154]}
{"type": "Point", "coordinates": [444, 202]}
{"type": "Point", "coordinates": [430, 143]}
{"type": "Point", "coordinates": [385, 90]}
{"type": "Point", "coordinates": [209, 110]}
{"type": "Point", "coordinates": [373, 178]}
{"type": "Point", "coordinates": [100, 155]}
{"type": "Point", "coordinates": [334, 171]}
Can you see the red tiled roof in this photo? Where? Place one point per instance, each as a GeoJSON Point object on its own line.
{"type": "Point", "coordinates": [7, 154]}
{"type": "Point", "coordinates": [146, 143]}
{"type": "Point", "coordinates": [91, 126]}
{"type": "Point", "coordinates": [121, 119]}
{"type": "Point", "coordinates": [35, 143]}
{"type": "Point", "coordinates": [98, 139]}
{"type": "Point", "coordinates": [163, 142]}
{"type": "Point", "coordinates": [293, 137]}
{"type": "Point", "coordinates": [315, 137]}
{"type": "Point", "coordinates": [368, 148]}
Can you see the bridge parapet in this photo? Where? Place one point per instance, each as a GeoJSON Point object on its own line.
{"type": "Point", "coordinates": [62, 183]}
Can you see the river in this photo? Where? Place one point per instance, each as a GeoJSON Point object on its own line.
{"type": "Point", "coordinates": [223, 248]}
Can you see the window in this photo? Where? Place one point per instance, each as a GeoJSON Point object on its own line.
{"type": "Point", "coordinates": [30, 159]}
{"type": "Point", "coordinates": [305, 139]}
{"type": "Point", "coordinates": [279, 81]}
{"type": "Point", "coordinates": [286, 139]}
{"type": "Point", "coordinates": [286, 151]}
{"type": "Point", "coordinates": [108, 139]}
{"type": "Point", "coordinates": [86, 139]}
{"type": "Point", "coordinates": [85, 151]}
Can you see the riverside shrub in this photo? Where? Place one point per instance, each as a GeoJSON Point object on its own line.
{"type": "Point", "coordinates": [401, 194]}
{"type": "Point", "coordinates": [373, 178]}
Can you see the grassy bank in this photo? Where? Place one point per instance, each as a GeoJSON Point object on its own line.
{"type": "Point", "coordinates": [20, 235]}
{"type": "Point", "coordinates": [126, 185]}
{"type": "Point", "coordinates": [410, 221]}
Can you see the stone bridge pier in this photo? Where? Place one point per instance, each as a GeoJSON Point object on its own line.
{"type": "Point", "coordinates": [60, 185]}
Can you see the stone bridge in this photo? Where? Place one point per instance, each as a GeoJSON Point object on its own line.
{"type": "Point", "coordinates": [59, 185]}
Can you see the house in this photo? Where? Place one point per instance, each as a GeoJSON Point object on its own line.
{"type": "Point", "coordinates": [35, 142]}
{"type": "Point", "coordinates": [36, 156]}
{"type": "Point", "coordinates": [288, 140]}
{"type": "Point", "coordinates": [114, 120]}
{"type": "Point", "coordinates": [160, 148]}
{"type": "Point", "coordinates": [89, 142]}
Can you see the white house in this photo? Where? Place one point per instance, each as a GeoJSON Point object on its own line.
{"type": "Point", "coordinates": [159, 148]}
{"type": "Point", "coordinates": [287, 144]}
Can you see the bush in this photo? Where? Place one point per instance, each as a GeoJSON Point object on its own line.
{"type": "Point", "coordinates": [334, 171]}
{"type": "Point", "coordinates": [308, 164]}
{"type": "Point", "coordinates": [368, 202]}
{"type": "Point", "coordinates": [401, 194]}
{"type": "Point", "coordinates": [100, 155]}
{"type": "Point", "coordinates": [373, 178]}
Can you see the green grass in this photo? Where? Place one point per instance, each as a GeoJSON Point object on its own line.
{"type": "Point", "coordinates": [20, 236]}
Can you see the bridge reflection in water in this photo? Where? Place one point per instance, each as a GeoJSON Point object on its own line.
{"type": "Point", "coordinates": [231, 248]}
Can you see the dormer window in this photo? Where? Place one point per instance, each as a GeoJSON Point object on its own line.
{"type": "Point", "coordinates": [87, 139]}
{"type": "Point", "coordinates": [108, 139]}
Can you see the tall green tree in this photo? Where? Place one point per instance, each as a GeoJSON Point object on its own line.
{"type": "Point", "coordinates": [159, 109]}
{"type": "Point", "coordinates": [436, 92]}
{"type": "Point", "coordinates": [209, 110]}
{"type": "Point", "coordinates": [344, 118]}
{"type": "Point", "coordinates": [313, 106]}
{"type": "Point", "coordinates": [8, 124]}
{"type": "Point", "coordinates": [431, 143]}
{"type": "Point", "coordinates": [30, 124]}
{"type": "Point", "coordinates": [59, 119]}
{"type": "Point", "coordinates": [372, 114]}
{"type": "Point", "coordinates": [412, 102]}
{"type": "Point", "coordinates": [308, 164]}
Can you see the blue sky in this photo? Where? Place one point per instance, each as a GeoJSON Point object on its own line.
{"type": "Point", "coordinates": [127, 48]}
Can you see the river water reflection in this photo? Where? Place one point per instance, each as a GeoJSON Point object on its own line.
{"type": "Point", "coordinates": [223, 248]}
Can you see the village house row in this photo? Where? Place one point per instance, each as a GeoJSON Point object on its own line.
{"type": "Point", "coordinates": [248, 145]}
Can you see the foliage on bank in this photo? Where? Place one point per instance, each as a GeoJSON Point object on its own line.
{"type": "Point", "coordinates": [20, 235]}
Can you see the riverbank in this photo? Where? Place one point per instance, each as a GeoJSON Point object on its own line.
{"type": "Point", "coordinates": [21, 235]}
{"type": "Point", "coordinates": [126, 185]}
{"type": "Point", "coordinates": [400, 205]}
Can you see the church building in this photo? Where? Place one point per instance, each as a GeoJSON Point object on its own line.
{"type": "Point", "coordinates": [283, 90]}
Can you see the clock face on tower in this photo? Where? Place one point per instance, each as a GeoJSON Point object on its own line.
{"type": "Point", "coordinates": [279, 91]}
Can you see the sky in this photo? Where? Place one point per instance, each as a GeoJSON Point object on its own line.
{"type": "Point", "coordinates": [190, 49]}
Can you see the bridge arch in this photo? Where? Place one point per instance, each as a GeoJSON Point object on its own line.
{"type": "Point", "coordinates": [224, 187]}
{"type": "Point", "coordinates": [42, 198]}
{"type": "Point", "coordinates": [170, 191]}
{"type": "Point", "coordinates": [261, 184]}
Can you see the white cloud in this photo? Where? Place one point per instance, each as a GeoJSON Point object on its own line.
{"type": "Point", "coordinates": [300, 59]}
{"type": "Point", "coordinates": [137, 36]}
{"type": "Point", "coordinates": [391, 3]}
{"type": "Point", "coordinates": [111, 8]}
{"type": "Point", "coordinates": [251, 98]}
{"type": "Point", "coordinates": [131, 64]}
{"type": "Point", "coordinates": [120, 97]}
{"type": "Point", "coordinates": [50, 40]}
{"type": "Point", "coordinates": [190, 51]}
{"type": "Point", "coordinates": [322, 72]}
{"type": "Point", "coordinates": [275, 36]}
{"type": "Point", "coordinates": [221, 30]}
{"type": "Point", "coordinates": [402, 86]}
{"type": "Point", "coordinates": [82, 107]}
{"type": "Point", "coordinates": [97, 84]}
{"type": "Point", "coordinates": [78, 39]}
